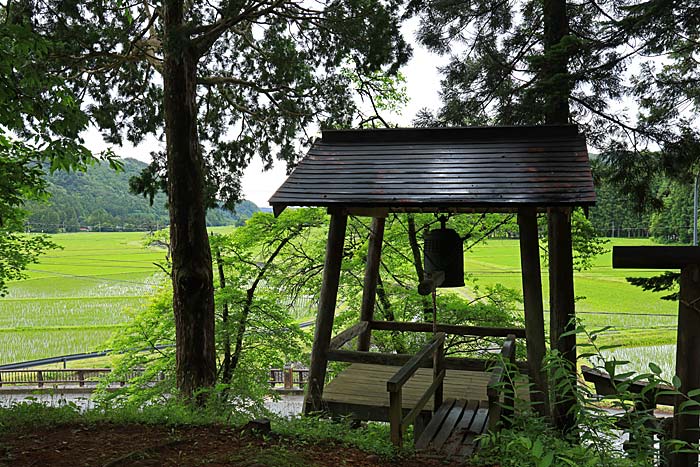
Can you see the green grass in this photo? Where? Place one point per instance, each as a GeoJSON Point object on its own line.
{"type": "Point", "coordinates": [76, 297]}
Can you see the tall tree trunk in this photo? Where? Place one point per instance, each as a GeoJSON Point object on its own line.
{"type": "Point", "coordinates": [555, 76]}
{"type": "Point", "coordinates": [226, 371]}
{"type": "Point", "coordinates": [418, 265]}
{"type": "Point", "coordinates": [193, 291]}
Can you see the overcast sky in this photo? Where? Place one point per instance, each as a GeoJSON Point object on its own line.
{"type": "Point", "coordinates": [422, 85]}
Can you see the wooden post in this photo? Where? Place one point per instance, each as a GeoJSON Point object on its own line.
{"type": "Point", "coordinates": [395, 415]}
{"type": "Point", "coordinates": [40, 378]}
{"type": "Point", "coordinates": [534, 312]}
{"type": "Point", "coordinates": [687, 259]}
{"type": "Point", "coordinates": [685, 426]}
{"type": "Point", "coordinates": [561, 308]}
{"type": "Point", "coordinates": [369, 290]}
{"type": "Point", "coordinates": [326, 312]}
{"type": "Point", "coordinates": [438, 365]}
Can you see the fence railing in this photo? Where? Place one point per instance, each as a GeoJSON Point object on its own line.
{"type": "Point", "coordinates": [289, 378]}
{"type": "Point", "coordinates": [77, 376]}
{"type": "Point", "coordinates": [280, 378]}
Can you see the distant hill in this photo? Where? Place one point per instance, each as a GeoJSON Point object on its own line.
{"type": "Point", "coordinates": [99, 199]}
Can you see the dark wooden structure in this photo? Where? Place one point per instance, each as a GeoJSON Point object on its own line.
{"type": "Point", "coordinates": [523, 170]}
{"type": "Point", "coordinates": [686, 424]}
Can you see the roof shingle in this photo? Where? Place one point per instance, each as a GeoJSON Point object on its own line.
{"type": "Point", "coordinates": [443, 168]}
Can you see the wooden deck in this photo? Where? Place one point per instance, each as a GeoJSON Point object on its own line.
{"type": "Point", "coordinates": [360, 389]}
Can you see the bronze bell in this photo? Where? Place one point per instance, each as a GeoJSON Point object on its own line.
{"type": "Point", "coordinates": [444, 251]}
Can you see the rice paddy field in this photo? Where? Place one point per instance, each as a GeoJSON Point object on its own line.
{"type": "Point", "coordinates": [76, 297]}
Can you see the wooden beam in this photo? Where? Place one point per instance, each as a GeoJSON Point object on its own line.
{"type": "Point", "coordinates": [369, 288]}
{"type": "Point", "coordinates": [392, 359]}
{"type": "Point", "coordinates": [482, 331]}
{"type": "Point", "coordinates": [350, 333]}
{"type": "Point", "coordinates": [655, 257]}
{"type": "Point", "coordinates": [562, 309]}
{"type": "Point", "coordinates": [685, 426]}
{"type": "Point", "coordinates": [326, 312]}
{"type": "Point", "coordinates": [534, 311]}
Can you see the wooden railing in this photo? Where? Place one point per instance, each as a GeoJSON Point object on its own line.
{"type": "Point", "coordinates": [501, 388]}
{"type": "Point", "coordinates": [337, 354]}
{"type": "Point", "coordinates": [289, 378]}
{"type": "Point", "coordinates": [39, 378]}
{"type": "Point", "coordinates": [399, 423]}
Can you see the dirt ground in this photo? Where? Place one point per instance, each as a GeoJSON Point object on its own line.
{"type": "Point", "coordinates": [109, 445]}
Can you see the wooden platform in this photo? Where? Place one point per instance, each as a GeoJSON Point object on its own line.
{"type": "Point", "coordinates": [360, 390]}
{"type": "Point", "coordinates": [453, 429]}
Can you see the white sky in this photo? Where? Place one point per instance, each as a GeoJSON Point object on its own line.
{"type": "Point", "coordinates": [422, 86]}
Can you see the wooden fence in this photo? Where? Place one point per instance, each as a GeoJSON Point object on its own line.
{"type": "Point", "coordinates": [280, 378]}
{"type": "Point", "coordinates": [39, 378]}
{"type": "Point", "coordinates": [289, 378]}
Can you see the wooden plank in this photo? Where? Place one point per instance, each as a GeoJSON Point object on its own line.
{"type": "Point", "coordinates": [331, 191]}
{"type": "Point", "coordinates": [369, 287]}
{"type": "Point", "coordinates": [655, 257]}
{"type": "Point", "coordinates": [562, 308]}
{"type": "Point", "coordinates": [348, 334]}
{"type": "Point", "coordinates": [326, 313]}
{"type": "Point", "coordinates": [456, 441]}
{"type": "Point", "coordinates": [447, 329]}
{"type": "Point", "coordinates": [534, 311]}
{"type": "Point", "coordinates": [448, 426]}
{"type": "Point", "coordinates": [478, 426]}
{"type": "Point", "coordinates": [434, 426]}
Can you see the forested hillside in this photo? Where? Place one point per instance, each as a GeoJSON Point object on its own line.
{"type": "Point", "coordinates": [99, 199]}
{"type": "Point", "coordinates": [617, 215]}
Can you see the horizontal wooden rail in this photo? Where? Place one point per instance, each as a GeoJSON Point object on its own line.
{"type": "Point", "coordinates": [347, 335]}
{"type": "Point", "coordinates": [41, 377]}
{"type": "Point", "coordinates": [501, 383]}
{"type": "Point", "coordinates": [398, 423]}
{"type": "Point", "coordinates": [480, 331]}
{"type": "Point", "coordinates": [604, 385]}
{"type": "Point", "coordinates": [393, 359]}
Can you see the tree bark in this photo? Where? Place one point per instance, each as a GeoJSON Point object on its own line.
{"type": "Point", "coordinates": [226, 371]}
{"type": "Point", "coordinates": [418, 265]}
{"type": "Point", "coordinates": [555, 76]}
{"type": "Point", "coordinates": [192, 277]}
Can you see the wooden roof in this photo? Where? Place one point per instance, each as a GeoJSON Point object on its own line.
{"type": "Point", "coordinates": [433, 169]}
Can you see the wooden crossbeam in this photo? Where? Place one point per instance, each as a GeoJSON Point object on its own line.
{"type": "Point", "coordinates": [655, 257]}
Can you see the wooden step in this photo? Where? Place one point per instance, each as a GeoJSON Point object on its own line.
{"type": "Point", "coordinates": [452, 431]}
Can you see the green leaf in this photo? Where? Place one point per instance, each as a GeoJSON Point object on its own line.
{"type": "Point", "coordinates": [546, 460]}
{"type": "Point", "coordinates": [656, 369]}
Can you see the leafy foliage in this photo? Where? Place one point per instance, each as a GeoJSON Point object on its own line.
{"type": "Point", "coordinates": [600, 419]}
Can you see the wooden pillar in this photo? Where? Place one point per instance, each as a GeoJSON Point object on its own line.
{"type": "Point", "coordinates": [534, 312]}
{"type": "Point", "coordinates": [561, 308]}
{"type": "Point", "coordinates": [369, 289]}
{"type": "Point", "coordinates": [326, 312]}
{"type": "Point", "coordinates": [685, 426]}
